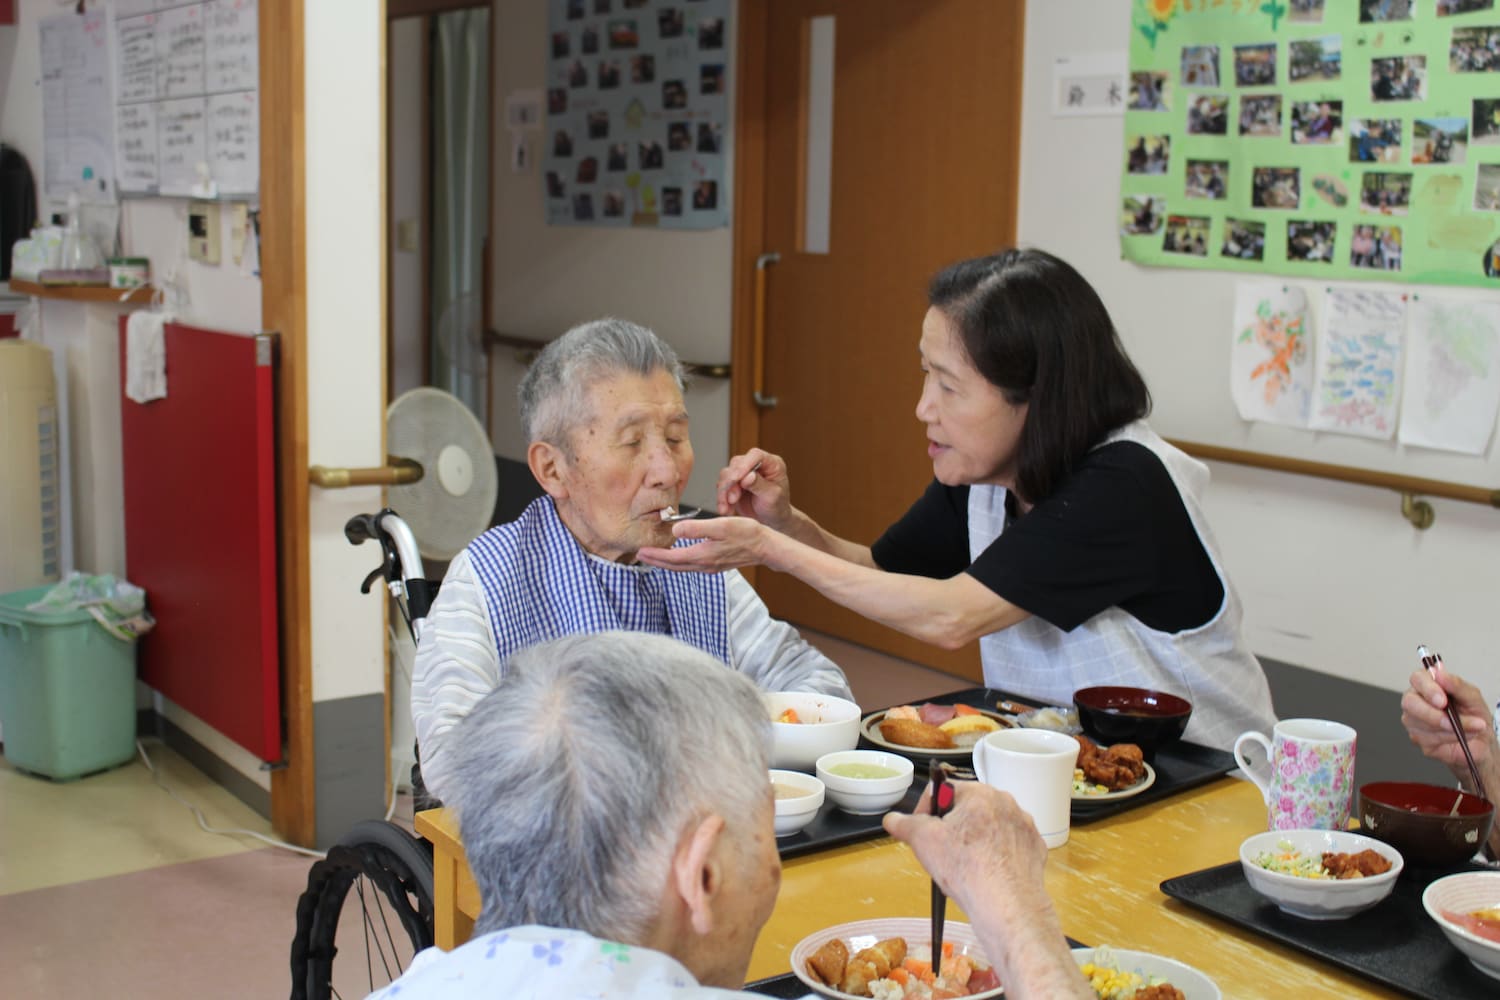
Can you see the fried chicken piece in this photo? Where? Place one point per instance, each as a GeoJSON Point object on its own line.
{"type": "Point", "coordinates": [826, 965]}
{"type": "Point", "coordinates": [1166, 991]}
{"type": "Point", "coordinates": [1115, 767]}
{"type": "Point", "coordinates": [1086, 748]}
{"type": "Point", "coordinates": [872, 963]}
{"type": "Point", "coordinates": [1365, 863]}
{"type": "Point", "coordinates": [914, 733]}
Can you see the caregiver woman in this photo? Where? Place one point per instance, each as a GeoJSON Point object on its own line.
{"type": "Point", "coordinates": [1060, 531]}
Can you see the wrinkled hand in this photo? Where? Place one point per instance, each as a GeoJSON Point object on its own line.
{"type": "Point", "coordinates": [985, 852]}
{"type": "Point", "coordinates": [728, 543]}
{"type": "Point", "coordinates": [764, 494]}
{"type": "Point", "coordinates": [1426, 721]}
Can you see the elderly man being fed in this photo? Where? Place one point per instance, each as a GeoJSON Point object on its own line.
{"type": "Point", "coordinates": [617, 818]}
{"type": "Point", "coordinates": [603, 411]}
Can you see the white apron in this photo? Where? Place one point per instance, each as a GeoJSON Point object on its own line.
{"type": "Point", "coordinates": [1210, 665]}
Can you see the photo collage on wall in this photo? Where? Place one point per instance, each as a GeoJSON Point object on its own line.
{"type": "Point", "coordinates": [1342, 139]}
{"type": "Point", "coordinates": [638, 128]}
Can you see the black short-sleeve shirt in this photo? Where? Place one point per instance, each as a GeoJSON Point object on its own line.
{"type": "Point", "coordinates": [1115, 534]}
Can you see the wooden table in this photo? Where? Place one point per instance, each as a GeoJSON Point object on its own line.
{"type": "Point", "coordinates": [1104, 881]}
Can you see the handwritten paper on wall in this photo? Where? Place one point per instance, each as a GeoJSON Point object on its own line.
{"type": "Point", "coordinates": [1271, 363]}
{"type": "Point", "coordinates": [1452, 382]}
{"type": "Point", "coordinates": [1358, 389]}
{"type": "Point", "coordinates": [186, 97]}
{"type": "Point", "coordinates": [77, 140]}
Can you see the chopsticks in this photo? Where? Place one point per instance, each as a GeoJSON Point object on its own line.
{"type": "Point", "coordinates": [1432, 661]}
{"type": "Point", "coordinates": [942, 802]}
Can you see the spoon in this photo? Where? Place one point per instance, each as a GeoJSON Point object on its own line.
{"type": "Point", "coordinates": [671, 515]}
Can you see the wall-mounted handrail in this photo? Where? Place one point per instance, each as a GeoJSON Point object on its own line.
{"type": "Point", "coordinates": [527, 349]}
{"type": "Point", "coordinates": [1416, 511]}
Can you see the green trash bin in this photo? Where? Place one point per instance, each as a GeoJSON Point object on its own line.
{"type": "Point", "coordinates": [67, 690]}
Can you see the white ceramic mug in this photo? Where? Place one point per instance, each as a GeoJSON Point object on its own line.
{"type": "Point", "coordinates": [1036, 767]}
{"type": "Point", "coordinates": [1309, 784]}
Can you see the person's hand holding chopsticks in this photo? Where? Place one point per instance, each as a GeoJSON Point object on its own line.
{"type": "Point", "coordinates": [1424, 714]}
{"type": "Point", "coordinates": [987, 856]}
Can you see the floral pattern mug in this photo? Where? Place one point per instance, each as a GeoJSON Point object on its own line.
{"type": "Point", "coordinates": [1309, 783]}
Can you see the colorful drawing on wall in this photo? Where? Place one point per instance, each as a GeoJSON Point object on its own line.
{"type": "Point", "coordinates": [1322, 120]}
{"type": "Point", "coordinates": [1271, 363]}
{"type": "Point", "coordinates": [645, 95]}
{"type": "Point", "coordinates": [1452, 381]}
{"type": "Point", "coordinates": [1358, 382]}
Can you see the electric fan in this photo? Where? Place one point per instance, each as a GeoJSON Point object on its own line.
{"type": "Point", "coordinates": [455, 498]}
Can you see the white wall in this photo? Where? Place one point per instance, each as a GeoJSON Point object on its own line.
{"type": "Point", "coordinates": [548, 278]}
{"type": "Point", "coordinates": [1331, 576]}
{"type": "Point", "coordinates": [344, 90]}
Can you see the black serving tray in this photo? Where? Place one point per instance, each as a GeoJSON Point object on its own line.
{"type": "Point", "coordinates": [1395, 943]}
{"type": "Point", "coordinates": [1179, 766]}
{"type": "Point", "coordinates": [833, 827]}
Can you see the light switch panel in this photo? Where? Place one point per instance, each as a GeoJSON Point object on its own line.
{"type": "Point", "coordinates": [203, 231]}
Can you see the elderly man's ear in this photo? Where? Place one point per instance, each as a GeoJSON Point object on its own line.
{"type": "Point", "coordinates": [698, 872]}
{"type": "Point", "coordinates": [547, 464]}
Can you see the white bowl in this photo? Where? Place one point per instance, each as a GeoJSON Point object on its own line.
{"type": "Point", "coordinates": [1193, 984]}
{"type": "Point", "coordinates": [865, 796]}
{"type": "Point", "coordinates": [860, 934]}
{"type": "Point", "coordinates": [1313, 898]}
{"type": "Point", "coordinates": [796, 811]}
{"type": "Point", "coordinates": [828, 724]}
{"type": "Point", "coordinates": [1465, 893]}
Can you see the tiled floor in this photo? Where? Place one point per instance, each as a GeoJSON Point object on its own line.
{"type": "Point", "coordinates": [108, 888]}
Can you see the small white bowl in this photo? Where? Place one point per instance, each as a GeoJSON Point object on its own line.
{"type": "Point", "coordinates": [1314, 898]}
{"type": "Point", "coordinates": [796, 811]}
{"type": "Point", "coordinates": [1465, 893]}
{"type": "Point", "coordinates": [828, 724]}
{"type": "Point", "coordinates": [865, 796]}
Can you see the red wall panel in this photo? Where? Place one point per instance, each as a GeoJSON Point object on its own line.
{"type": "Point", "coordinates": [200, 532]}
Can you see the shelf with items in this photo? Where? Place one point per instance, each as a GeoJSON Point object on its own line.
{"type": "Point", "coordinates": [82, 293]}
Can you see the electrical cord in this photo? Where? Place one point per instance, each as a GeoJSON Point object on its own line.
{"type": "Point", "coordinates": [203, 823]}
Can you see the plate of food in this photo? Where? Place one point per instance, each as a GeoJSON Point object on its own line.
{"type": "Point", "coordinates": [891, 958]}
{"type": "Point", "coordinates": [1117, 974]}
{"type": "Point", "coordinates": [1105, 773]}
{"type": "Point", "coordinates": [929, 730]}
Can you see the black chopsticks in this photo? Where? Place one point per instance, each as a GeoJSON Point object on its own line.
{"type": "Point", "coordinates": [942, 802]}
{"type": "Point", "coordinates": [1431, 661]}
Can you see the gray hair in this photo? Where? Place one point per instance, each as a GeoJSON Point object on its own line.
{"type": "Point", "coordinates": [576, 777]}
{"type": "Point", "coordinates": [554, 393]}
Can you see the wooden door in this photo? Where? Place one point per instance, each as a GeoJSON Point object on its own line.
{"type": "Point", "coordinates": [925, 161]}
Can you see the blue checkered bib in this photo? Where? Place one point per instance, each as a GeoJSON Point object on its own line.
{"type": "Point", "coordinates": [540, 584]}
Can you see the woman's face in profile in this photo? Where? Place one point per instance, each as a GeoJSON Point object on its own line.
{"type": "Point", "coordinates": [973, 432]}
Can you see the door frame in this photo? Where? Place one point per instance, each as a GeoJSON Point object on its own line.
{"type": "Point", "coordinates": [283, 303]}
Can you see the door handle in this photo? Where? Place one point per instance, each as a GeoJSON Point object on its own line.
{"type": "Point", "coordinates": [397, 472]}
{"type": "Point", "coordinates": [758, 384]}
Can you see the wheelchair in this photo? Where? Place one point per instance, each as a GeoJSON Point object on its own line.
{"type": "Point", "coordinates": [369, 903]}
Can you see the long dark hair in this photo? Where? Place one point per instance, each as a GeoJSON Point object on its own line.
{"type": "Point", "coordinates": [1037, 331]}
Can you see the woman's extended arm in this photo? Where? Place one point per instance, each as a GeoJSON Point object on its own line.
{"type": "Point", "coordinates": [948, 613]}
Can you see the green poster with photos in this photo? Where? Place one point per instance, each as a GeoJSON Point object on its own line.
{"type": "Point", "coordinates": [1346, 139]}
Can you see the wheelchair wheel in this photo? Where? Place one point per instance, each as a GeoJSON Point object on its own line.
{"type": "Point", "coordinates": [376, 929]}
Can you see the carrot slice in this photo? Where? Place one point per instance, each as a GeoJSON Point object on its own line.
{"type": "Point", "coordinates": [900, 976]}
{"type": "Point", "coordinates": [965, 710]}
{"type": "Point", "coordinates": [790, 715]}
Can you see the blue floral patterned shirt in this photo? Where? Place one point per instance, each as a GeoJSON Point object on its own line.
{"type": "Point", "coordinates": [543, 963]}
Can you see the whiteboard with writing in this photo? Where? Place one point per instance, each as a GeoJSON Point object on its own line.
{"type": "Point", "coordinates": [187, 112]}
{"type": "Point", "coordinates": [78, 148]}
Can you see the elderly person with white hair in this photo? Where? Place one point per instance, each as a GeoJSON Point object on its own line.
{"type": "Point", "coordinates": [603, 411]}
{"type": "Point", "coordinates": [613, 863]}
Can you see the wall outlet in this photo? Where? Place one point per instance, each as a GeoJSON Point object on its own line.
{"type": "Point", "coordinates": [203, 231]}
